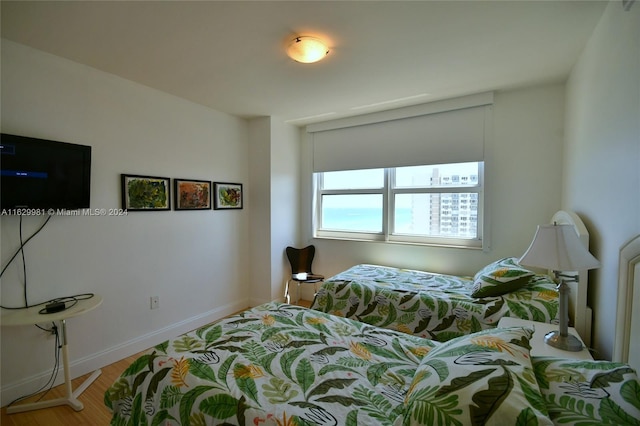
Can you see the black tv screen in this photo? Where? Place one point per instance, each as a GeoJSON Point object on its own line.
{"type": "Point", "coordinates": [43, 174]}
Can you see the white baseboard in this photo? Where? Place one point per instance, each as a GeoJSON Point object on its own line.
{"type": "Point", "coordinates": [88, 364]}
{"type": "Point", "coordinates": [257, 302]}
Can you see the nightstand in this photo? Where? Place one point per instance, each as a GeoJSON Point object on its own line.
{"type": "Point", "coordinates": [538, 346]}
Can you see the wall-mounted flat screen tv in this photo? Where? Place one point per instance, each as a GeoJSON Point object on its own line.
{"type": "Point", "coordinates": [43, 174]}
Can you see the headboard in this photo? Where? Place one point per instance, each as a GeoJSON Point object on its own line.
{"type": "Point", "coordinates": [627, 340]}
{"type": "Point", "coordinates": [579, 313]}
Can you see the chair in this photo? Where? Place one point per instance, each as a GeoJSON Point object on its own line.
{"type": "Point", "coordinates": [301, 260]}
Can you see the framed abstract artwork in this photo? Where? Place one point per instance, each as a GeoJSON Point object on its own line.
{"type": "Point", "coordinates": [192, 194]}
{"type": "Point", "coordinates": [228, 195]}
{"type": "Point", "coordinates": [145, 193]}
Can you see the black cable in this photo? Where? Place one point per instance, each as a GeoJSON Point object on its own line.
{"type": "Point", "coordinates": [24, 244]}
{"type": "Point", "coordinates": [56, 364]}
{"type": "Point", "coordinates": [54, 329]}
{"type": "Point", "coordinates": [48, 330]}
{"type": "Point", "coordinates": [54, 373]}
{"type": "Point", "coordinates": [67, 299]}
{"type": "Point", "coordinates": [72, 300]}
{"type": "Point", "coordinates": [24, 264]}
{"type": "Point", "coordinates": [20, 249]}
{"type": "Point", "coordinates": [47, 310]}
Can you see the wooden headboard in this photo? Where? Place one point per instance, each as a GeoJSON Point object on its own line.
{"type": "Point", "coordinates": [580, 314]}
{"type": "Point", "coordinates": [627, 340]}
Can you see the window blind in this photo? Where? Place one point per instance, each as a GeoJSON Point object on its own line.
{"type": "Point", "coordinates": [453, 136]}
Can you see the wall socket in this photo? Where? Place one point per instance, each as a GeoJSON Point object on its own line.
{"type": "Point", "coordinates": [155, 302]}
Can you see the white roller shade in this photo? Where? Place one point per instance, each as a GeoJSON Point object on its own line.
{"type": "Point", "coordinates": [447, 137]}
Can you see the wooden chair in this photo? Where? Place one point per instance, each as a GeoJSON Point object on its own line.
{"type": "Point", "coordinates": [301, 272]}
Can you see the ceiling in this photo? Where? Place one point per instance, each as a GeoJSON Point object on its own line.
{"type": "Point", "coordinates": [230, 55]}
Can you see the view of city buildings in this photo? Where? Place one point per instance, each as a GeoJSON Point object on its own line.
{"type": "Point", "coordinates": [446, 214]}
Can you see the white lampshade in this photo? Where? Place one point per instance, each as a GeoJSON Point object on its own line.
{"type": "Point", "coordinates": [558, 248]}
{"type": "Point", "coordinates": [307, 49]}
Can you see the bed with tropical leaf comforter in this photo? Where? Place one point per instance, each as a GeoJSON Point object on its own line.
{"type": "Point", "coordinates": [279, 364]}
{"type": "Point", "coordinates": [437, 306]}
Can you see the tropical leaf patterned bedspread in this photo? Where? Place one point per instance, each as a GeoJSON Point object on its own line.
{"type": "Point", "coordinates": [433, 306]}
{"type": "Point", "coordinates": [579, 392]}
{"type": "Point", "coordinates": [275, 364]}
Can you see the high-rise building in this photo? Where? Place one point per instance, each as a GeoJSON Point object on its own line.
{"type": "Point", "coordinates": [446, 214]}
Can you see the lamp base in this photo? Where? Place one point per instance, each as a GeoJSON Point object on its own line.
{"type": "Point", "coordinates": [566, 343]}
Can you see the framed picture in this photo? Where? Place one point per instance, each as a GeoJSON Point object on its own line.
{"type": "Point", "coordinates": [228, 195]}
{"type": "Point", "coordinates": [146, 193]}
{"type": "Point", "coordinates": [192, 194]}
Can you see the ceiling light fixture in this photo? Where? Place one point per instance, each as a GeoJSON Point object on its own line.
{"type": "Point", "coordinates": [307, 49]}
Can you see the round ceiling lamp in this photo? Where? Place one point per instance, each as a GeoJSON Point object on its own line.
{"type": "Point", "coordinates": [307, 49]}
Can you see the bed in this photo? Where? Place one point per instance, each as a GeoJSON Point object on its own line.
{"type": "Point", "coordinates": [626, 348]}
{"type": "Point", "coordinates": [279, 364]}
{"type": "Point", "coordinates": [270, 365]}
{"type": "Point", "coordinates": [434, 306]}
{"type": "Point", "coordinates": [442, 307]}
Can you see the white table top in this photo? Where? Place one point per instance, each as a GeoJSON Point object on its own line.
{"type": "Point", "coordinates": [31, 315]}
{"type": "Point", "coordinates": [538, 346]}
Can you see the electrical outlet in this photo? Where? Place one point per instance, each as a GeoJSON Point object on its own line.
{"type": "Point", "coordinates": [155, 302]}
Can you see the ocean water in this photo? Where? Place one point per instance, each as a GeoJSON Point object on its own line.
{"type": "Point", "coordinates": [360, 219]}
{"type": "Point", "coordinates": [370, 220]}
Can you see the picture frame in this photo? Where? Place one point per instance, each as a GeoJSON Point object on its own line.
{"type": "Point", "coordinates": [145, 193]}
{"type": "Point", "coordinates": [228, 196]}
{"type": "Point", "coordinates": [191, 194]}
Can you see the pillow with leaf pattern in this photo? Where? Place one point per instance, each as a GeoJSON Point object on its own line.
{"type": "Point", "coordinates": [500, 277]}
{"type": "Point", "coordinates": [589, 392]}
{"type": "Point", "coordinates": [485, 378]}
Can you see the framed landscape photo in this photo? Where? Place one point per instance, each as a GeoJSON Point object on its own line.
{"type": "Point", "coordinates": [192, 194]}
{"type": "Point", "coordinates": [228, 195]}
{"type": "Point", "coordinates": [145, 193]}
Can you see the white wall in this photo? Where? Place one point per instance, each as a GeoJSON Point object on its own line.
{"type": "Point", "coordinates": [522, 172]}
{"type": "Point", "coordinates": [275, 185]}
{"type": "Point", "coordinates": [285, 199]}
{"type": "Point", "coordinates": [260, 213]}
{"type": "Point", "coordinates": [192, 260]}
{"type": "Point", "coordinates": [602, 154]}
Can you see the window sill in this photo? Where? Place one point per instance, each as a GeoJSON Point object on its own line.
{"type": "Point", "coordinates": [402, 243]}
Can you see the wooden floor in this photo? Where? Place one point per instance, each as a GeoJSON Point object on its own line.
{"type": "Point", "coordinates": [95, 413]}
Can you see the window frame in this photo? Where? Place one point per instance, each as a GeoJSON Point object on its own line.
{"type": "Point", "coordinates": [388, 192]}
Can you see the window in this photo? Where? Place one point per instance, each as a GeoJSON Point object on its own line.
{"type": "Point", "coordinates": [431, 204]}
{"type": "Point", "coordinates": [426, 187]}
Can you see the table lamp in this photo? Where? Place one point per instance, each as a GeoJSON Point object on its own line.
{"type": "Point", "coordinates": [558, 248]}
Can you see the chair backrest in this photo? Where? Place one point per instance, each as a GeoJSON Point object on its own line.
{"type": "Point", "coordinates": [301, 259]}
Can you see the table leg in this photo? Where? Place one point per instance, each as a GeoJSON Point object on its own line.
{"type": "Point", "coordinates": [70, 397]}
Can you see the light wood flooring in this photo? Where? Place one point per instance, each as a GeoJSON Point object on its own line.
{"type": "Point", "coordinates": [95, 413]}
